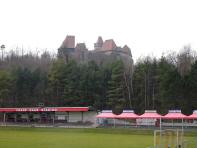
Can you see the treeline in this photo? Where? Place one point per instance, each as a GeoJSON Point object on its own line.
{"type": "Point", "coordinates": [168, 82]}
{"type": "Point", "coordinates": [30, 80]}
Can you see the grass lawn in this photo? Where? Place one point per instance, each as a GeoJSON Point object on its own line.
{"type": "Point", "coordinates": [78, 138]}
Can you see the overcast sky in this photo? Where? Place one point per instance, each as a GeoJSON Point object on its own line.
{"type": "Point", "coordinates": [146, 26]}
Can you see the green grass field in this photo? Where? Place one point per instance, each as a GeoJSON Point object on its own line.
{"type": "Point", "coordinates": [79, 138]}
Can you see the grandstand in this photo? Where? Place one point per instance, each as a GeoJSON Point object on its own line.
{"type": "Point", "coordinates": [47, 115]}
{"type": "Point", "coordinates": [150, 118]}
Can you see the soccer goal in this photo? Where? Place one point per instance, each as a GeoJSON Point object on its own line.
{"type": "Point", "coordinates": [169, 138]}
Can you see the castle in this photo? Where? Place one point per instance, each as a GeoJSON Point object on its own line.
{"type": "Point", "coordinates": [103, 52]}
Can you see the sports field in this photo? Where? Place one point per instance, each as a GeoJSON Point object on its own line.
{"type": "Point", "coordinates": [79, 138]}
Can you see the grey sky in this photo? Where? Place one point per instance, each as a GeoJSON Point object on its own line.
{"type": "Point", "coordinates": [146, 26]}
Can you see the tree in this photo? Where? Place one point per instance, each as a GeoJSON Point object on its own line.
{"type": "Point", "coordinates": [91, 84]}
{"type": "Point", "coordinates": [191, 86]}
{"type": "Point", "coordinates": [168, 80]}
{"type": "Point", "coordinates": [184, 61]}
{"type": "Point", "coordinates": [115, 92]}
{"type": "Point", "coordinates": [71, 92]}
{"type": "Point", "coordinates": [5, 86]}
{"type": "Point", "coordinates": [145, 83]}
{"type": "Point", "coordinates": [56, 78]}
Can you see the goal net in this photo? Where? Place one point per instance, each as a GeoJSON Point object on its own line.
{"type": "Point", "coordinates": [169, 138]}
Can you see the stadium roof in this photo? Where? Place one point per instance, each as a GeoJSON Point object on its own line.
{"type": "Point", "coordinates": [127, 114]}
{"type": "Point", "coordinates": [151, 114]}
{"type": "Point", "coordinates": [175, 114]}
{"type": "Point", "coordinates": [193, 116]}
{"type": "Point", "coordinates": [106, 114]}
{"type": "Point", "coordinates": [45, 109]}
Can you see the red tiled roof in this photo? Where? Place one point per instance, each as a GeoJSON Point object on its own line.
{"type": "Point", "coordinates": [69, 42]}
{"type": "Point", "coordinates": [109, 45]}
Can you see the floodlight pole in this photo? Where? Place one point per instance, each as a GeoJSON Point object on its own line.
{"type": "Point", "coordinates": [2, 48]}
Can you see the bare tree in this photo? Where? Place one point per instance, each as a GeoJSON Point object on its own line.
{"type": "Point", "coordinates": [184, 60]}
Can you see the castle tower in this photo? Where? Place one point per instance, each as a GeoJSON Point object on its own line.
{"type": "Point", "coordinates": [81, 52]}
{"type": "Point", "coordinates": [67, 48]}
{"type": "Point", "coordinates": [69, 42]}
{"type": "Point", "coordinates": [99, 43]}
{"type": "Point", "coordinates": [126, 50]}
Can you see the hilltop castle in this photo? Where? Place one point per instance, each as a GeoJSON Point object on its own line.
{"type": "Point", "coordinates": [103, 52]}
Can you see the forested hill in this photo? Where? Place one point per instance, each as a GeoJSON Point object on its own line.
{"type": "Point", "coordinates": [167, 82]}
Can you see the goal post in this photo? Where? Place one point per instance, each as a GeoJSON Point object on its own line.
{"type": "Point", "coordinates": [169, 138]}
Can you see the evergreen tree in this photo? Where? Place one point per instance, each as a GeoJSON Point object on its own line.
{"type": "Point", "coordinates": [116, 88]}
{"type": "Point", "coordinates": [57, 80]}
{"type": "Point", "coordinates": [71, 92]}
{"type": "Point", "coordinates": [191, 85]}
{"type": "Point", "coordinates": [5, 86]}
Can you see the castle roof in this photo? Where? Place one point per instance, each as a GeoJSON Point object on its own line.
{"type": "Point", "coordinates": [126, 49]}
{"type": "Point", "coordinates": [109, 45]}
{"type": "Point", "coordinates": [69, 42]}
{"type": "Point", "coordinates": [99, 43]}
{"type": "Point", "coordinates": [100, 40]}
{"type": "Point", "coordinates": [80, 46]}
